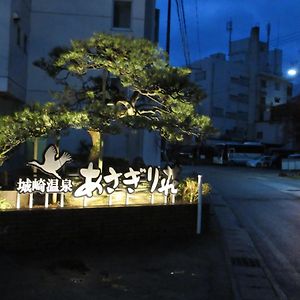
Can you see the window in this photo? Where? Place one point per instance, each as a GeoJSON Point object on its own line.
{"type": "Point", "coordinates": [201, 75]}
{"type": "Point", "coordinates": [25, 40]}
{"type": "Point", "coordinates": [241, 80]}
{"type": "Point", "coordinates": [231, 115]}
{"type": "Point", "coordinates": [262, 101]}
{"type": "Point", "coordinates": [18, 36]}
{"type": "Point", "coordinates": [218, 111]}
{"type": "Point", "coordinates": [276, 99]}
{"type": "Point", "coordinates": [244, 80]}
{"type": "Point", "coordinates": [241, 115]}
{"type": "Point", "coordinates": [289, 91]}
{"type": "Point", "coordinates": [277, 86]}
{"type": "Point", "coordinates": [261, 115]}
{"type": "Point", "coordinates": [259, 135]}
{"type": "Point", "coordinates": [243, 98]}
{"type": "Point", "coordinates": [262, 48]}
{"type": "Point", "coordinates": [263, 83]}
{"type": "Point", "coordinates": [122, 14]}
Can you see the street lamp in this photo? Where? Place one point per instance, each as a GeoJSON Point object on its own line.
{"type": "Point", "coordinates": [292, 72]}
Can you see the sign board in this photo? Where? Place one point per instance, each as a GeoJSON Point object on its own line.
{"type": "Point", "coordinates": [92, 179]}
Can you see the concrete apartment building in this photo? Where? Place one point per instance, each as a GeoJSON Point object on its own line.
{"type": "Point", "coordinates": [242, 89]}
{"type": "Point", "coordinates": [31, 28]}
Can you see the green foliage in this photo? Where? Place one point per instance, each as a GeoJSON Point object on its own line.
{"type": "Point", "coordinates": [36, 121]}
{"type": "Point", "coordinates": [188, 189]}
{"type": "Point", "coordinates": [162, 97]}
{"type": "Point", "coordinates": [147, 93]}
{"type": "Point", "coordinates": [4, 204]}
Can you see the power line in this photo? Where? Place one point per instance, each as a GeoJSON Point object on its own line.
{"type": "Point", "coordinates": [286, 41]}
{"type": "Point", "coordinates": [181, 31]}
{"type": "Point", "coordinates": [285, 36]}
{"type": "Point", "coordinates": [186, 35]}
{"type": "Point", "coordinates": [197, 26]}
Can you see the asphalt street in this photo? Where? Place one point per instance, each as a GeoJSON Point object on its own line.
{"type": "Point", "coordinates": [268, 207]}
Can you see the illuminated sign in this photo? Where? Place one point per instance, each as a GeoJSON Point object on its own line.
{"type": "Point", "coordinates": [93, 180]}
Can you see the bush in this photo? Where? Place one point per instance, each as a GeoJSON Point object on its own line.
{"type": "Point", "coordinates": [188, 189]}
{"type": "Point", "coordinates": [4, 204]}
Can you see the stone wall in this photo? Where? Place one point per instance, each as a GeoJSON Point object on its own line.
{"type": "Point", "coordinates": [38, 229]}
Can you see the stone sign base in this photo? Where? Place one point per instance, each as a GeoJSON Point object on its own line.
{"type": "Point", "coordinates": [49, 228]}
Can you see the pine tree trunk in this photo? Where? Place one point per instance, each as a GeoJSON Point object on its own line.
{"type": "Point", "coordinates": [96, 152]}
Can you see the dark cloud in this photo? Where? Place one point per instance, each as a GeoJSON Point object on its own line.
{"type": "Point", "coordinates": [213, 15]}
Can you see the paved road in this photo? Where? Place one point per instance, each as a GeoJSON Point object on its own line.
{"type": "Point", "coordinates": [268, 206]}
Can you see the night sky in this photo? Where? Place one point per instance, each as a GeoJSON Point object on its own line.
{"type": "Point", "coordinates": [284, 16]}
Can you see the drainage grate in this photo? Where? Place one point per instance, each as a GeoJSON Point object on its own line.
{"type": "Point", "coordinates": [245, 261]}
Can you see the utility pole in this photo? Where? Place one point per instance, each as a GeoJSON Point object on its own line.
{"type": "Point", "coordinates": [268, 34]}
{"type": "Point", "coordinates": [163, 144]}
{"type": "Point", "coordinates": [229, 30]}
{"type": "Point", "coordinates": [168, 27]}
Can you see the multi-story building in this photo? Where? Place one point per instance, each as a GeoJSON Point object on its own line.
{"type": "Point", "coordinates": [241, 90]}
{"type": "Point", "coordinates": [30, 29]}
{"type": "Point", "coordinates": [14, 34]}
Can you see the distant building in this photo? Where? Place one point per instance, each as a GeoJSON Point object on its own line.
{"type": "Point", "coordinates": [30, 29]}
{"type": "Point", "coordinates": [288, 115]}
{"type": "Point", "coordinates": [242, 90]}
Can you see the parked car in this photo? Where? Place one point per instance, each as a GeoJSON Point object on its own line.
{"type": "Point", "coordinates": [263, 161]}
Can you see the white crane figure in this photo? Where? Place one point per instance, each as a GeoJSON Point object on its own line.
{"type": "Point", "coordinates": [52, 162]}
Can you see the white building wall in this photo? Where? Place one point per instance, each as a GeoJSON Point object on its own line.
{"type": "Point", "coordinates": [234, 91]}
{"type": "Point", "coordinates": [6, 22]}
{"type": "Point", "coordinates": [15, 18]}
{"type": "Point", "coordinates": [271, 132]}
{"type": "Point", "coordinates": [54, 23]}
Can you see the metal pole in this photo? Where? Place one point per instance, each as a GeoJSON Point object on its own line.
{"type": "Point", "coordinates": [126, 199]}
{"type": "Point", "coordinates": [173, 199]}
{"type": "Point", "coordinates": [30, 200]}
{"type": "Point", "coordinates": [199, 206]}
{"type": "Point", "coordinates": [165, 200]}
{"type": "Point", "coordinates": [18, 204]}
{"type": "Point", "coordinates": [62, 200]}
{"type": "Point", "coordinates": [152, 198]}
{"type": "Point", "coordinates": [168, 27]}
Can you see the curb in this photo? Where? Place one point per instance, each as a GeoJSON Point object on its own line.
{"type": "Point", "coordinates": [250, 277]}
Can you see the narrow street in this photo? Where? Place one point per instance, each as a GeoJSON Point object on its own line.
{"type": "Point", "coordinates": [268, 207]}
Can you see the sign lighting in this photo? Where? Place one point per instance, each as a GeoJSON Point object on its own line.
{"type": "Point", "coordinates": [93, 181]}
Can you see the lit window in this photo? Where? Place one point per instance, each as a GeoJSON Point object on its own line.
{"type": "Point", "coordinates": [122, 14]}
